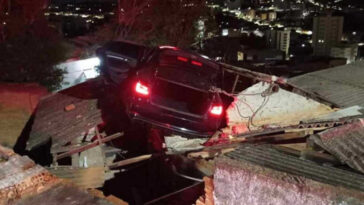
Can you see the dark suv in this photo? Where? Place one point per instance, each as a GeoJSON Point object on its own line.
{"type": "Point", "coordinates": [166, 86]}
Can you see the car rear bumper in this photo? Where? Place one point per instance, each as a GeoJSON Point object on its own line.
{"type": "Point", "coordinates": [177, 129]}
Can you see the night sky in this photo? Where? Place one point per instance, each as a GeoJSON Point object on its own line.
{"type": "Point", "coordinates": [79, 1]}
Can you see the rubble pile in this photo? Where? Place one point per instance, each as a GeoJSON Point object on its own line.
{"type": "Point", "coordinates": [24, 182]}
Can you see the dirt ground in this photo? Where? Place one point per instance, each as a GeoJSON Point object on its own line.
{"type": "Point", "coordinates": [17, 102]}
{"type": "Point", "coordinates": [12, 121]}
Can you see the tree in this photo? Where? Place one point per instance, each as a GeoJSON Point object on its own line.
{"type": "Point", "coordinates": [3, 14]}
{"type": "Point", "coordinates": [29, 47]}
{"type": "Point", "coordinates": [22, 12]}
{"type": "Point", "coordinates": [128, 14]}
{"type": "Point", "coordinates": [176, 22]}
{"type": "Point", "coordinates": [32, 60]}
{"type": "Point", "coordinates": [153, 22]}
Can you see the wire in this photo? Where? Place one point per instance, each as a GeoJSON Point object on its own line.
{"type": "Point", "coordinates": [266, 94]}
{"type": "Point", "coordinates": [265, 101]}
{"type": "Point", "coordinates": [219, 90]}
{"type": "Point", "coordinates": [174, 169]}
{"type": "Point", "coordinates": [245, 103]}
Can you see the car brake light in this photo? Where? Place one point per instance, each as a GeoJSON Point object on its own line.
{"type": "Point", "coordinates": [182, 59]}
{"type": "Point", "coordinates": [216, 110]}
{"type": "Point", "coordinates": [196, 63]}
{"type": "Point", "coordinates": [141, 89]}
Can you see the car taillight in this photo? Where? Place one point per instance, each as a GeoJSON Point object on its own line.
{"type": "Point", "coordinates": [216, 110]}
{"type": "Point", "coordinates": [141, 89]}
{"type": "Point", "coordinates": [196, 63]}
{"type": "Point", "coordinates": [182, 59]}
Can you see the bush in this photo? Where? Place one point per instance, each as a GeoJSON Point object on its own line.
{"type": "Point", "coordinates": [30, 47]}
{"type": "Point", "coordinates": [30, 59]}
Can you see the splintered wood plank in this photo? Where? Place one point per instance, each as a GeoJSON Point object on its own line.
{"type": "Point", "coordinates": [91, 177]}
{"type": "Point", "coordinates": [210, 153]}
{"type": "Point", "coordinates": [88, 146]}
{"type": "Point", "coordinates": [130, 161]}
{"type": "Point", "coordinates": [279, 137]}
{"type": "Point", "coordinates": [295, 146]}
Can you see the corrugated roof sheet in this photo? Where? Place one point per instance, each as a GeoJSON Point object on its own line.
{"type": "Point", "coordinates": [267, 156]}
{"type": "Point", "coordinates": [342, 85]}
{"type": "Point", "coordinates": [346, 142]}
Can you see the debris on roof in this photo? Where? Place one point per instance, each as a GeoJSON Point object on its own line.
{"type": "Point", "coordinates": [350, 112]}
{"type": "Point", "coordinates": [342, 85]}
{"type": "Point", "coordinates": [65, 115]}
{"type": "Point", "coordinates": [177, 144]}
{"type": "Point", "coordinates": [52, 121]}
{"type": "Point", "coordinates": [90, 161]}
{"type": "Point", "coordinates": [257, 174]}
{"type": "Point", "coordinates": [269, 112]}
{"type": "Point", "coordinates": [346, 142]}
{"type": "Point", "coordinates": [70, 121]}
{"type": "Point", "coordinates": [24, 182]}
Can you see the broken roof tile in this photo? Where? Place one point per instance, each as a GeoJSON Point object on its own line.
{"type": "Point", "coordinates": [53, 121]}
{"type": "Point", "coordinates": [346, 142]}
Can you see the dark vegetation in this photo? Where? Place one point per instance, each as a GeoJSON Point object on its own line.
{"type": "Point", "coordinates": [29, 46]}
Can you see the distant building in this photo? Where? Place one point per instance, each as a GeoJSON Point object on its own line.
{"type": "Point", "coordinates": [281, 4]}
{"type": "Point", "coordinates": [251, 14]}
{"type": "Point", "coordinates": [234, 4]}
{"type": "Point", "coordinates": [231, 32]}
{"type": "Point", "coordinates": [272, 16]}
{"type": "Point", "coordinates": [263, 16]}
{"type": "Point", "coordinates": [271, 38]}
{"type": "Point", "coordinates": [348, 51]}
{"type": "Point", "coordinates": [327, 32]}
{"type": "Point", "coordinates": [283, 41]}
{"type": "Point", "coordinates": [279, 39]}
{"type": "Point", "coordinates": [260, 55]}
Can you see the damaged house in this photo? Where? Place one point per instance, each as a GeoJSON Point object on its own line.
{"type": "Point", "coordinates": [285, 141]}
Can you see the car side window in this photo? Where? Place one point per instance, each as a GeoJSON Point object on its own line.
{"type": "Point", "coordinates": [116, 61]}
{"type": "Point", "coordinates": [119, 61]}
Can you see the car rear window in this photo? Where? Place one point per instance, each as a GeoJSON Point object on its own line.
{"type": "Point", "coordinates": [185, 65]}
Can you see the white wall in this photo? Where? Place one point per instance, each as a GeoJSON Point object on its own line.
{"type": "Point", "coordinates": [281, 108]}
{"type": "Point", "coordinates": [79, 71]}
